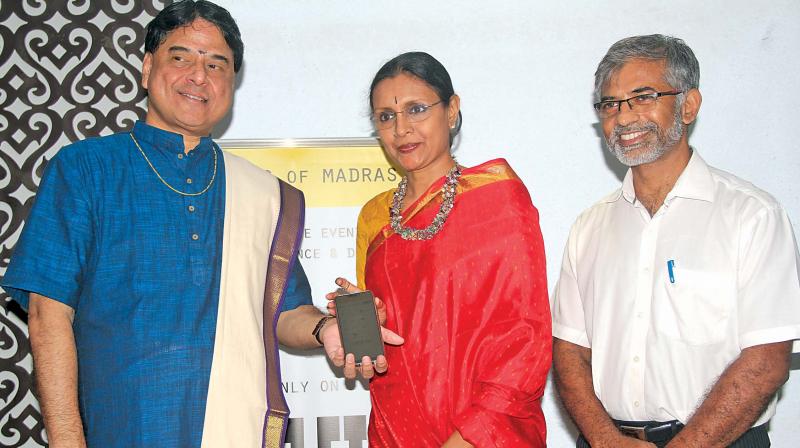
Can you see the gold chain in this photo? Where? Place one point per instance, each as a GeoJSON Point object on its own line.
{"type": "Point", "coordinates": [213, 175]}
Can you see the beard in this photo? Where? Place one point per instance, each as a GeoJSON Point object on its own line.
{"type": "Point", "coordinates": [649, 151]}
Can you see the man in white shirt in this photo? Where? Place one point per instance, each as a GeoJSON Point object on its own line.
{"type": "Point", "coordinates": [679, 294]}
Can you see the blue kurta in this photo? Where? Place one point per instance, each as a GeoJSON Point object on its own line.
{"type": "Point", "coordinates": [140, 265]}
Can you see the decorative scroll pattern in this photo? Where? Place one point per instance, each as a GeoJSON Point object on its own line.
{"type": "Point", "coordinates": [69, 69]}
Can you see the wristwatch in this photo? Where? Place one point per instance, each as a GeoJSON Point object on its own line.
{"type": "Point", "coordinates": [319, 326]}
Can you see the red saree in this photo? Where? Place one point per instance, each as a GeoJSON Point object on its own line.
{"type": "Point", "coordinates": [472, 306]}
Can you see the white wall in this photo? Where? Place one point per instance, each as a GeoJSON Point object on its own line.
{"type": "Point", "coordinates": [524, 71]}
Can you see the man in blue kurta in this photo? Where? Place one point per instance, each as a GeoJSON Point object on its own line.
{"type": "Point", "coordinates": [144, 259]}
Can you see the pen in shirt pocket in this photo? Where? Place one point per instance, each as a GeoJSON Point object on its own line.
{"type": "Point", "coordinates": [671, 270]}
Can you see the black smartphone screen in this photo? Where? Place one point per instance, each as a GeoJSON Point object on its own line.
{"type": "Point", "coordinates": [358, 325]}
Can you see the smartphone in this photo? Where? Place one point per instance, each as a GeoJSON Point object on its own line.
{"type": "Point", "coordinates": [358, 325]}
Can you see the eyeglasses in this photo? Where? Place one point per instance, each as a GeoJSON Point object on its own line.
{"type": "Point", "coordinates": [385, 119]}
{"type": "Point", "coordinates": [639, 103]}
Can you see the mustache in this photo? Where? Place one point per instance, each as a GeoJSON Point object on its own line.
{"type": "Point", "coordinates": [618, 130]}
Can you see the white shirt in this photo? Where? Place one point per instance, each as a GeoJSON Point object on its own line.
{"type": "Point", "coordinates": [659, 344]}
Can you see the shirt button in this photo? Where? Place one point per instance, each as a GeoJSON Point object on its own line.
{"type": "Point", "coordinates": [180, 156]}
{"type": "Point", "coordinates": [639, 315]}
{"type": "Point", "coordinates": [635, 359]}
{"type": "Point", "coordinates": [189, 180]}
{"type": "Point", "coordinates": [195, 236]}
{"type": "Point", "coordinates": [636, 403]}
{"type": "Point", "coordinates": [191, 208]}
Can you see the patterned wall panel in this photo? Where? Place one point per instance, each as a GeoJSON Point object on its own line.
{"type": "Point", "coordinates": [69, 70]}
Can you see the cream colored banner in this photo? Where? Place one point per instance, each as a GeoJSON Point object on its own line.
{"type": "Point", "coordinates": [331, 173]}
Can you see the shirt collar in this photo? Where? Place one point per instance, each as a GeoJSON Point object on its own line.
{"type": "Point", "coordinates": [165, 140]}
{"type": "Point", "coordinates": [627, 190]}
{"type": "Point", "coordinates": [695, 182]}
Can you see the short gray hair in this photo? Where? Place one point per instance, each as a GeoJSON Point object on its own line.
{"type": "Point", "coordinates": [682, 72]}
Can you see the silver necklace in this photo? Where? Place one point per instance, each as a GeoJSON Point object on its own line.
{"type": "Point", "coordinates": [448, 196]}
{"type": "Point", "coordinates": [213, 174]}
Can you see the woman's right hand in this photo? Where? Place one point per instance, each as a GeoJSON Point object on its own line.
{"type": "Point", "coordinates": [345, 287]}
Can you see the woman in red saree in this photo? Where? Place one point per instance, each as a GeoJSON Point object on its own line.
{"type": "Point", "coordinates": [461, 274]}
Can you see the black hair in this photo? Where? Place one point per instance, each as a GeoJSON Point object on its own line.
{"type": "Point", "coordinates": [425, 67]}
{"type": "Point", "coordinates": [183, 13]}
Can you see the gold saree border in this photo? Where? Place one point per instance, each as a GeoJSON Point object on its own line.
{"type": "Point", "coordinates": [471, 179]}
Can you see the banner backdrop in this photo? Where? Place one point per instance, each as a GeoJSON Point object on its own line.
{"type": "Point", "coordinates": [337, 177]}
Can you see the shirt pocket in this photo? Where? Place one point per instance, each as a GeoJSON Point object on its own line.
{"type": "Point", "coordinates": [696, 308]}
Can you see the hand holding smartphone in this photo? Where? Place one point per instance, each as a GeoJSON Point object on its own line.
{"type": "Point", "coordinates": [358, 324]}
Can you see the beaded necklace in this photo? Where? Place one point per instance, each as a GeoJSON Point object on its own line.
{"type": "Point", "coordinates": [448, 195]}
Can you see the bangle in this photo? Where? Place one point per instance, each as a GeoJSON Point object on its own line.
{"type": "Point", "coordinates": [319, 326]}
